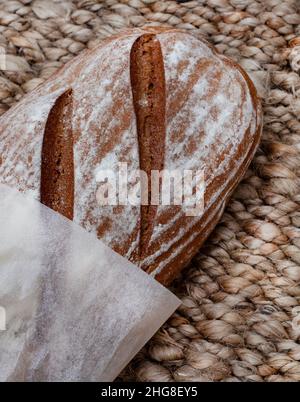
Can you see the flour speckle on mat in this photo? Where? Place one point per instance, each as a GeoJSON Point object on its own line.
{"type": "Point", "coordinates": [240, 315]}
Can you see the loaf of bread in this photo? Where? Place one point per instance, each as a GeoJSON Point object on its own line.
{"type": "Point", "coordinates": [155, 99]}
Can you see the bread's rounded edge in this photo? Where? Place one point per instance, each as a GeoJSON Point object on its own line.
{"type": "Point", "coordinates": [168, 273]}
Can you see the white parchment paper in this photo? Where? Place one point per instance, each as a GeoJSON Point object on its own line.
{"type": "Point", "coordinates": [74, 309]}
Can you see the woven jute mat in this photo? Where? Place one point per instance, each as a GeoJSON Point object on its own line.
{"type": "Point", "coordinates": [240, 319]}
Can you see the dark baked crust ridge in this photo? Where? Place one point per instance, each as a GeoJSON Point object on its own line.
{"type": "Point", "coordinates": [57, 167]}
{"type": "Point", "coordinates": [149, 100]}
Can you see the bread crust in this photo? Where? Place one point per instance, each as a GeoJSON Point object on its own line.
{"type": "Point", "coordinates": [203, 108]}
{"type": "Point", "coordinates": [57, 167]}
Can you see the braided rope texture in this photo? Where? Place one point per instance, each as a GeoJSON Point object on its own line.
{"type": "Point", "coordinates": [240, 318]}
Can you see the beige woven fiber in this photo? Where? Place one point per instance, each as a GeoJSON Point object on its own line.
{"type": "Point", "coordinates": [240, 318]}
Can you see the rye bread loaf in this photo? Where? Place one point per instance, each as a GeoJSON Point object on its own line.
{"type": "Point", "coordinates": [153, 98]}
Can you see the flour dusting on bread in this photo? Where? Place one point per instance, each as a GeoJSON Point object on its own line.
{"type": "Point", "coordinates": [212, 123]}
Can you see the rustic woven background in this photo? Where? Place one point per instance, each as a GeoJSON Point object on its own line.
{"type": "Point", "coordinates": [240, 319]}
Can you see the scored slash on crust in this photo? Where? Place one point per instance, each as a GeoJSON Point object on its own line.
{"type": "Point", "coordinates": [149, 99]}
{"type": "Point", "coordinates": [57, 168]}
